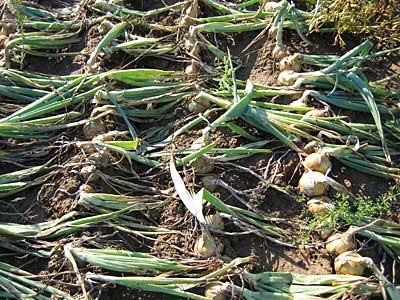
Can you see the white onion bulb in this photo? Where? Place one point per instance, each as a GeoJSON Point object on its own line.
{"type": "Point", "coordinates": [320, 205]}
{"type": "Point", "coordinates": [351, 263]}
{"type": "Point", "coordinates": [215, 291]}
{"type": "Point", "coordinates": [318, 162]}
{"type": "Point", "coordinates": [204, 247]}
{"type": "Point", "coordinates": [290, 63]}
{"type": "Point", "coordinates": [313, 184]}
{"type": "Point", "coordinates": [340, 242]}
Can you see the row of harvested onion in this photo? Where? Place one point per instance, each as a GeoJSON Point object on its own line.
{"type": "Point", "coordinates": [314, 184]}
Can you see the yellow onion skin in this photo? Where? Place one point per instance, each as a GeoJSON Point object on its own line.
{"type": "Point", "coordinates": [324, 230]}
{"type": "Point", "coordinates": [349, 263]}
{"type": "Point", "coordinates": [316, 113]}
{"type": "Point", "coordinates": [290, 63]}
{"type": "Point", "coordinates": [192, 69]}
{"type": "Point", "coordinates": [215, 291]}
{"type": "Point", "coordinates": [287, 77]}
{"type": "Point", "coordinates": [93, 128]}
{"type": "Point", "coordinates": [338, 243]}
{"type": "Point", "coordinates": [271, 6]}
{"type": "Point", "coordinates": [320, 205]}
{"type": "Point", "coordinates": [298, 103]}
{"type": "Point", "coordinates": [318, 162]}
{"type": "Point", "coordinates": [313, 184]}
{"type": "Point", "coordinates": [203, 247]}
{"type": "Point", "coordinates": [279, 52]}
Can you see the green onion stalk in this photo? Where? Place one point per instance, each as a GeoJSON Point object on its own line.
{"type": "Point", "coordinates": [15, 284]}
{"type": "Point", "coordinates": [178, 286]}
{"type": "Point", "coordinates": [127, 261]}
{"type": "Point", "coordinates": [287, 285]}
{"type": "Point", "coordinates": [343, 74]}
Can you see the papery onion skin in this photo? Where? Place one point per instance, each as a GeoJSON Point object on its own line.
{"type": "Point", "coordinates": [203, 247]}
{"type": "Point", "coordinates": [320, 205]}
{"type": "Point", "coordinates": [313, 184]}
{"type": "Point", "coordinates": [215, 291]}
{"type": "Point", "coordinates": [349, 263]}
{"type": "Point", "coordinates": [317, 162]}
{"type": "Point", "coordinates": [338, 243]}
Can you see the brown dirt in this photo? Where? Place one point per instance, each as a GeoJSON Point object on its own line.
{"type": "Point", "coordinates": [58, 196]}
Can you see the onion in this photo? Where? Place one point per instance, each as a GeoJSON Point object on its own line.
{"type": "Point", "coordinates": [202, 165]}
{"type": "Point", "coordinates": [318, 162]}
{"type": "Point", "coordinates": [209, 183]}
{"type": "Point", "coordinates": [279, 52]}
{"type": "Point", "coordinates": [86, 188]}
{"type": "Point", "coordinates": [204, 247]}
{"type": "Point", "coordinates": [310, 147]}
{"type": "Point", "coordinates": [324, 230]}
{"type": "Point", "coordinates": [198, 105]}
{"type": "Point", "coordinates": [198, 143]}
{"type": "Point", "coordinates": [298, 103]}
{"type": "Point", "coordinates": [191, 14]}
{"type": "Point", "coordinates": [100, 160]}
{"type": "Point", "coordinates": [192, 69]}
{"type": "Point", "coordinates": [215, 291]}
{"type": "Point", "coordinates": [316, 113]}
{"type": "Point", "coordinates": [103, 5]}
{"type": "Point", "coordinates": [287, 78]}
{"type": "Point", "coordinates": [320, 205]}
{"type": "Point", "coordinates": [215, 221]}
{"type": "Point", "coordinates": [290, 63]}
{"type": "Point", "coordinates": [105, 27]}
{"type": "Point", "coordinates": [340, 242]}
{"type": "Point", "coordinates": [93, 128]}
{"type": "Point", "coordinates": [313, 184]}
{"type": "Point", "coordinates": [272, 31]}
{"type": "Point", "coordinates": [271, 6]}
{"type": "Point", "coordinates": [351, 263]}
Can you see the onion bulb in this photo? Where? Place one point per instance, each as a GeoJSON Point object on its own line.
{"type": "Point", "coordinates": [100, 160]}
{"type": "Point", "coordinates": [209, 183]}
{"type": "Point", "coordinates": [215, 291]}
{"type": "Point", "coordinates": [318, 162]}
{"type": "Point", "coordinates": [272, 31]}
{"type": "Point", "coordinates": [202, 165]}
{"type": "Point", "coordinates": [93, 128]}
{"type": "Point", "coordinates": [313, 184]}
{"type": "Point", "coordinates": [271, 6]}
{"type": "Point", "coordinates": [291, 62]}
{"type": "Point", "coordinates": [340, 242]}
{"type": "Point", "coordinates": [86, 188]}
{"type": "Point", "coordinates": [204, 247]}
{"type": "Point", "coordinates": [324, 230]}
{"type": "Point", "coordinates": [192, 69]}
{"type": "Point", "coordinates": [215, 221]}
{"type": "Point", "coordinates": [350, 263]}
{"type": "Point", "coordinates": [198, 105]}
{"type": "Point", "coordinates": [317, 112]}
{"type": "Point", "coordinates": [287, 77]}
{"type": "Point", "coordinates": [320, 205]}
{"type": "Point", "coordinates": [279, 52]}
{"type": "Point", "coordinates": [191, 14]}
{"type": "Point", "coordinates": [298, 103]}
{"type": "Point", "coordinates": [198, 143]}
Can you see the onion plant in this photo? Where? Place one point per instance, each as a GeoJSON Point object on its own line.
{"type": "Point", "coordinates": [16, 284]}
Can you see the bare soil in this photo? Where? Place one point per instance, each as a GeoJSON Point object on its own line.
{"type": "Point", "coordinates": [59, 194]}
